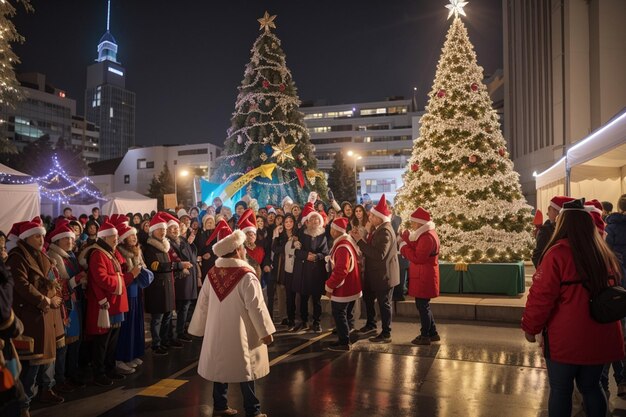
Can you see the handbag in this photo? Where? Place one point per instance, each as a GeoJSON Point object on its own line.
{"type": "Point", "coordinates": [609, 305]}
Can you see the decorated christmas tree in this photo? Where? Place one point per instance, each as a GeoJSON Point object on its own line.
{"type": "Point", "coordinates": [268, 151]}
{"type": "Point", "coordinates": [460, 170]}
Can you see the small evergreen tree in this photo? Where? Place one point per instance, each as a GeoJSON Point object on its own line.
{"type": "Point", "coordinates": [460, 170]}
{"type": "Point", "coordinates": [341, 179]}
{"type": "Point", "coordinates": [166, 180]}
{"type": "Point", "coordinates": [268, 127]}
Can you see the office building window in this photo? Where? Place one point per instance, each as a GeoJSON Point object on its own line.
{"type": "Point", "coordinates": [380, 185]}
{"type": "Point", "coordinates": [143, 164]}
{"type": "Point", "coordinates": [313, 116]}
{"type": "Point", "coordinates": [197, 151]}
{"type": "Point", "coordinates": [371, 112]}
{"type": "Point", "coordinates": [126, 179]}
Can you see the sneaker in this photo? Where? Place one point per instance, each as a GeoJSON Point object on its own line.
{"type": "Point", "coordinates": [185, 338]}
{"type": "Point", "coordinates": [291, 326]}
{"type": "Point", "coordinates": [49, 397]}
{"type": "Point", "coordinates": [103, 381]}
{"type": "Point", "coordinates": [435, 338]}
{"type": "Point", "coordinates": [136, 362]}
{"type": "Point", "coordinates": [621, 390]}
{"type": "Point", "coordinates": [116, 376]}
{"type": "Point", "coordinates": [227, 412]}
{"type": "Point", "coordinates": [159, 351]}
{"type": "Point", "coordinates": [338, 347]}
{"type": "Point", "coordinates": [367, 330]}
{"type": "Point", "coordinates": [421, 340]}
{"type": "Point", "coordinates": [381, 338]}
{"type": "Point", "coordinates": [175, 344]}
{"type": "Point", "coordinates": [317, 328]}
{"type": "Point", "coordinates": [123, 369]}
{"type": "Point", "coordinates": [302, 327]}
{"type": "Point", "coordinates": [65, 387]}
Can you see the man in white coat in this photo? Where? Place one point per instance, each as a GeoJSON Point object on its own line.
{"type": "Point", "coordinates": [236, 325]}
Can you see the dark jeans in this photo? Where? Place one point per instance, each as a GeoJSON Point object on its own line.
{"type": "Point", "coordinates": [250, 402]}
{"type": "Point", "coordinates": [587, 377]}
{"type": "Point", "coordinates": [103, 352]}
{"type": "Point", "coordinates": [60, 365]}
{"type": "Point", "coordinates": [271, 293]}
{"type": "Point", "coordinates": [291, 305]}
{"type": "Point", "coordinates": [340, 314]}
{"type": "Point", "coordinates": [426, 317]}
{"type": "Point", "coordinates": [317, 307]}
{"type": "Point", "coordinates": [32, 374]}
{"type": "Point", "coordinates": [71, 361]}
{"type": "Point", "coordinates": [182, 310]}
{"type": "Point", "coordinates": [160, 328]}
{"type": "Point", "coordinates": [384, 304]}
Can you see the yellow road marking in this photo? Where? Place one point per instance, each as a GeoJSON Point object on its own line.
{"type": "Point", "coordinates": [298, 348]}
{"type": "Point", "coordinates": [163, 388]}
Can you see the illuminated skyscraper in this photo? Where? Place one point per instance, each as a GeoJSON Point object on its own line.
{"type": "Point", "coordinates": [108, 103]}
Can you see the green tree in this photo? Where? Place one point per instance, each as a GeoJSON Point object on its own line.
{"type": "Point", "coordinates": [460, 170]}
{"type": "Point", "coordinates": [268, 127]}
{"type": "Point", "coordinates": [341, 179]}
{"type": "Point", "coordinates": [161, 185]}
{"type": "Point", "coordinates": [10, 92]}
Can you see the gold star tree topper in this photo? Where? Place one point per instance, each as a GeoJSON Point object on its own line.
{"type": "Point", "coordinates": [267, 22]}
{"type": "Point", "coordinates": [455, 7]}
{"type": "Point", "coordinates": [282, 151]}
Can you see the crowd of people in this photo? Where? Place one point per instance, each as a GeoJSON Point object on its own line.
{"type": "Point", "coordinates": [80, 287]}
{"type": "Point", "coordinates": [75, 292]}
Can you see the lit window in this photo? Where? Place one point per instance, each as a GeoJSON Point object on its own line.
{"type": "Point", "coordinates": [313, 116]}
{"type": "Point", "coordinates": [321, 129]}
{"type": "Point", "coordinates": [110, 112]}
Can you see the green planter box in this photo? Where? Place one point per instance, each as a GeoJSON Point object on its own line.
{"type": "Point", "coordinates": [494, 279]}
{"type": "Point", "coordinates": [449, 279]}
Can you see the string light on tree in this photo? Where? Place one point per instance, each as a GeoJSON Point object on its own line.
{"type": "Point", "coordinates": [465, 178]}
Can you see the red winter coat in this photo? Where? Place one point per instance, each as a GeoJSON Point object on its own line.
{"type": "Point", "coordinates": [423, 258]}
{"type": "Point", "coordinates": [571, 335]}
{"type": "Point", "coordinates": [345, 277]}
{"type": "Point", "coordinates": [103, 283]}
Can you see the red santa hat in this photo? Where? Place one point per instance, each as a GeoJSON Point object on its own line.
{"type": "Point", "coordinates": [557, 201]}
{"type": "Point", "coordinates": [31, 228]}
{"type": "Point", "coordinates": [124, 231]}
{"type": "Point", "coordinates": [594, 206]}
{"type": "Point", "coordinates": [14, 233]}
{"type": "Point", "coordinates": [107, 229]}
{"type": "Point", "coordinates": [171, 220]}
{"type": "Point", "coordinates": [229, 242]}
{"type": "Point", "coordinates": [247, 221]}
{"type": "Point", "coordinates": [222, 229]}
{"type": "Point", "coordinates": [420, 216]}
{"type": "Point", "coordinates": [158, 222]}
{"type": "Point", "coordinates": [597, 220]}
{"type": "Point", "coordinates": [61, 231]}
{"type": "Point", "coordinates": [308, 211]}
{"type": "Point", "coordinates": [381, 210]}
{"type": "Point", "coordinates": [340, 224]}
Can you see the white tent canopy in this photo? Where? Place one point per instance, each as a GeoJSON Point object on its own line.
{"type": "Point", "coordinates": [594, 167]}
{"type": "Point", "coordinates": [123, 202]}
{"type": "Point", "coordinates": [19, 201]}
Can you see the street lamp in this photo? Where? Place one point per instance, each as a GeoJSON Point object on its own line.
{"type": "Point", "coordinates": [183, 173]}
{"type": "Point", "coordinates": [355, 157]}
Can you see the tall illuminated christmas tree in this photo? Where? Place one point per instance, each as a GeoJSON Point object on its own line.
{"type": "Point", "coordinates": [460, 170]}
{"type": "Point", "coordinates": [267, 128]}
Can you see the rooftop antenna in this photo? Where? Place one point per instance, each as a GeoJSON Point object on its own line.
{"type": "Point", "coordinates": [108, 14]}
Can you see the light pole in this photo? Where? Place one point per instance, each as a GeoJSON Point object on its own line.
{"type": "Point", "coordinates": [183, 173]}
{"type": "Point", "coordinates": [355, 157]}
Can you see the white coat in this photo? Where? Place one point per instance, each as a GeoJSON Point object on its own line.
{"type": "Point", "coordinates": [232, 350]}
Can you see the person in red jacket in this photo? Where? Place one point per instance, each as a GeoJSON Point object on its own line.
{"type": "Point", "coordinates": [420, 246]}
{"type": "Point", "coordinates": [576, 264]}
{"type": "Point", "coordinates": [106, 296]}
{"type": "Point", "coordinates": [344, 285]}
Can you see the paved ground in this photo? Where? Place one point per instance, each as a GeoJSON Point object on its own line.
{"type": "Point", "coordinates": [478, 369]}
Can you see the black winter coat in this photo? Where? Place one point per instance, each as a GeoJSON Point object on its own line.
{"type": "Point", "coordinates": [309, 277]}
{"type": "Point", "coordinates": [185, 283]}
{"type": "Point", "coordinates": [159, 296]}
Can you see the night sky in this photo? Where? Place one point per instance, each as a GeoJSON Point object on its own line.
{"type": "Point", "coordinates": [185, 59]}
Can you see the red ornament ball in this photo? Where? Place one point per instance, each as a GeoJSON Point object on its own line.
{"type": "Point", "coordinates": [474, 87]}
{"type": "Point", "coordinates": [266, 84]}
{"type": "Point", "coordinates": [501, 151]}
{"type": "Point", "coordinates": [441, 93]}
{"type": "Point", "coordinates": [473, 159]}
{"type": "Point", "coordinates": [281, 87]}
{"type": "Point", "coordinates": [415, 167]}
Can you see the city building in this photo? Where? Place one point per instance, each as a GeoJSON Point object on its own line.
{"type": "Point", "coordinates": [85, 139]}
{"type": "Point", "coordinates": [45, 111]}
{"type": "Point", "coordinates": [135, 170]}
{"type": "Point", "coordinates": [564, 66]}
{"type": "Point", "coordinates": [108, 104]}
{"type": "Point", "coordinates": [376, 137]}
